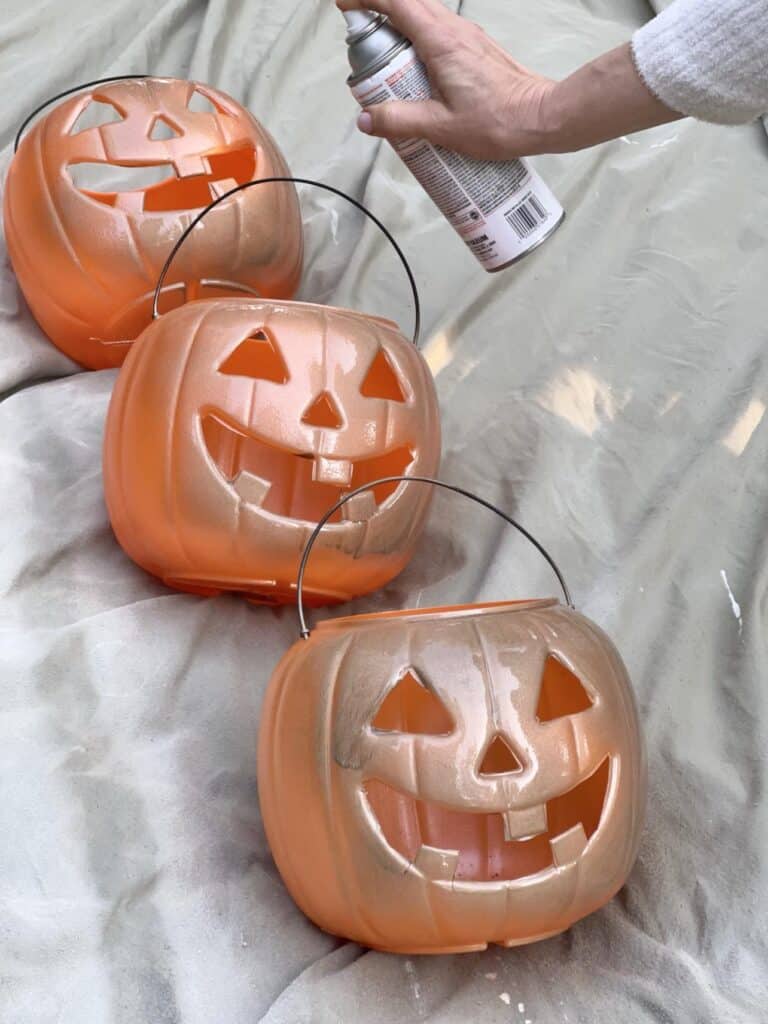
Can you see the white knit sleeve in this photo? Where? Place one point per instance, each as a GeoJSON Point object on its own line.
{"type": "Point", "coordinates": [708, 58]}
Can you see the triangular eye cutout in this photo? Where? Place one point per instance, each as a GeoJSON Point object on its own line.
{"type": "Point", "coordinates": [410, 707]}
{"type": "Point", "coordinates": [95, 114]}
{"type": "Point", "coordinates": [499, 758]}
{"type": "Point", "coordinates": [562, 692]}
{"type": "Point", "coordinates": [200, 104]}
{"type": "Point", "coordinates": [162, 130]}
{"type": "Point", "coordinates": [323, 412]}
{"type": "Point", "coordinates": [382, 381]}
{"type": "Point", "coordinates": [258, 357]}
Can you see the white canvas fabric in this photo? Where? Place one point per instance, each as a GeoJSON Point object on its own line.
{"type": "Point", "coordinates": [610, 390]}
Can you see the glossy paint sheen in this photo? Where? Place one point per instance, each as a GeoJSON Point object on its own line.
{"type": "Point", "coordinates": [236, 424]}
{"type": "Point", "coordinates": [338, 794]}
{"type": "Point", "coordinates": [88, 261]}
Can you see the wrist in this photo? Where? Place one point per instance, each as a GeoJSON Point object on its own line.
{"type": "Point", "coordinates": [528, 125]}
{"type": "Point", "coordinates": [603, 100]}
{"type": "Point", "coordinates": [557, 118]}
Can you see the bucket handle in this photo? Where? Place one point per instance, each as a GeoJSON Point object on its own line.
{"type": "Point", "coordinates": [297, 181]}
{"type": "Point", "coordinates": [304, 629]}
{"type": "Point", "coordinates": [70, 92]}
{"type": "Point", "coordinates": [226, 195]}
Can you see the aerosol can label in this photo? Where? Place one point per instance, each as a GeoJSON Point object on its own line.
{"type": "Point", "coordinates": [502, 209]}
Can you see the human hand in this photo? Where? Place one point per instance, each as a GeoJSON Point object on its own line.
{"type": "Point", "coordinates": [486, 105]}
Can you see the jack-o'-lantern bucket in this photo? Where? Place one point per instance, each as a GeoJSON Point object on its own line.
{"type": "Point", "coordinates": [102, 186]}
{"type": "Point", "coordinates": [432, 781]}
{"type": "Point", "coordinates": [235, 423]}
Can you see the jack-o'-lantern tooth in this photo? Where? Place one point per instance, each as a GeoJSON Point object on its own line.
{"type": "Point", "coordinates": [131, 202]}
{"type": "Point", "coordinates": [332, 471]}
{"type": "Point", "coordinates": [190, 164]}
{"type": "Point", "coordinates": [360, 509]}
{"type": "Point", "coordinates": [569, 846]}
{"type": "Point", "coordinates": [525, 824]}
{"type": "Point", "coordinates": [437, 864]}
{"type": "Point", "coordinates": [251, 488]}
{"type": "Point", "coordinates": [220, 188]}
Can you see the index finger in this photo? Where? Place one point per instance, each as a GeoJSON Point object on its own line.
{"type": "Point", "coordinates": [416, 19]}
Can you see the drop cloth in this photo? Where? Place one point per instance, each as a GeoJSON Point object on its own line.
{"type": "Point", "coordinates": [611, 391]}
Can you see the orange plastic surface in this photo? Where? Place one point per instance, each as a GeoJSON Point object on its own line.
{"type": "Point", "coordinates": [88, 257]}
{"type": "Point", "coordinates": [236, 424]}
{"type": "Point", "coordinates": [439, 781]}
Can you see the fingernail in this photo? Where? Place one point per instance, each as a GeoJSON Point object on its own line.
{"type": "Point", "coordinates": [365, 122]}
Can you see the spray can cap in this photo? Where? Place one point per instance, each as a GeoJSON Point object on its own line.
{"type": "Point", "coordinates": [359, 22]}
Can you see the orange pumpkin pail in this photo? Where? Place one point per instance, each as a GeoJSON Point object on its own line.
{"type": "Point", "coordinates": [102, 186]}
{"type": "Point", "coordinates": [236, 422]}
{"type": "Point", "coordinates": [437, 780]}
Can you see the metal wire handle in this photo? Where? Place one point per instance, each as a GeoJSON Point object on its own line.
{"type": "Point", "coordinates": [69, 92]}
{"type": "Point", "coordinates": [304, 628]}
{"type": "Point", "coordinates": [296, 181]}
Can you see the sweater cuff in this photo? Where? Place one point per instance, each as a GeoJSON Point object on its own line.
{"type": "Point", "coordinates": [707, 58]}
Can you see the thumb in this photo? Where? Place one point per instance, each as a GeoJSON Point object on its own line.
{"type": "Point", "coordinates": [401, 119]}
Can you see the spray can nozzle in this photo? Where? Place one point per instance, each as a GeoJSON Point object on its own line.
{"type": "Point", "coordinates": [360, 22]}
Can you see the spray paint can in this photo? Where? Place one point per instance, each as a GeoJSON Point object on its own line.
{"type": "Point", "coordinates": [503, 210]}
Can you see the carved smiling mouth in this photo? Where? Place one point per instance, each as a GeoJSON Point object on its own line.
{"type": "Point", "coordinates": [462, 846]}
{"type": "Point", "coordinates": [293, 485]}
{"type": "Point", "coordinates": [151, 188]}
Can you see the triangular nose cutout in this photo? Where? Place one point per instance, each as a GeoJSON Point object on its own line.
{"type": "Point", "coordinates": [162, 130]}
{"type": "Point", "coordinates": [323, 412]}
{"type": "Point", "coordinates": [500, 758]}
